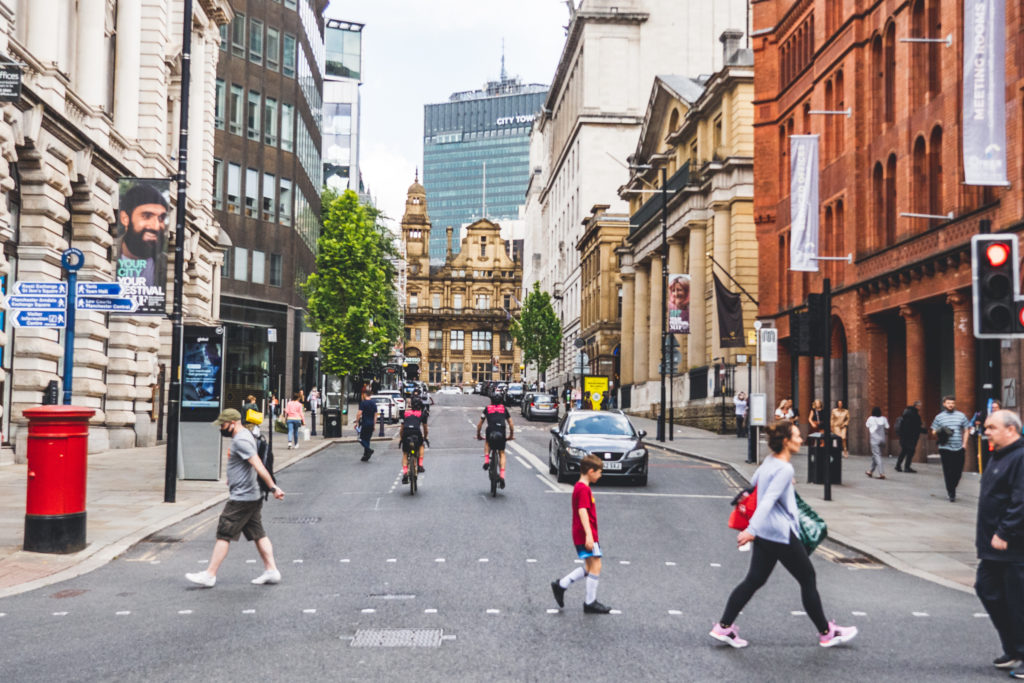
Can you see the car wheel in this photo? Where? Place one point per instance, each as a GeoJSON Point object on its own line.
{"type": "Point", "coordinates": [563, 476]}
{"type": "Point", "coordinates": [551, 468]}
{"type": "Point", "coordinates": [641, 480]}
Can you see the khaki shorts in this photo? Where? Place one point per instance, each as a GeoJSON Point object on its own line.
{"type": "Point", "coordinates": [241, 517]}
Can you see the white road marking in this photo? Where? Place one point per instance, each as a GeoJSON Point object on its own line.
{"type": "Point", "coordinates": [345, 561]}
{"type": "Point", "coordinates": [494, 611]}
{"type": "Point", "coordinates": [977, 615]}
{"type": "Point", "coordinates": [296, 561]}
{"type": "Point", "coordinates": [623, 561]}
{"type": "Point", "coordinates": [430, 611]}
{"type": "Point", "coordinates": [368, 610]}
{"type": "Point", "coordinates": [248, 611]}
{"type": "Point", "coordinates": [715, 564]}
{"type": "Point", "coordinates": [530, 560]}
{"type": "Point", "coordinates": [615, 611]}
{"type": "Point", "coordinates": [440, 559]}
{"type": "Point", "coordinates": [670, 564]}
{"type": "Point", "coordinates": [859, 614]}
{"type": "Point", "coordinates": [205, 561]}
{"type": "Point", "coordinates": [553, 611]}
{"type": "Point", "coordinates": [524, 463]}
{"type": "Point", "coordinates": [578, 561]}
{"type": "Point", "coordinates": [60, 614]}
{"type": "Point", "coordinates": [541, 467]}
{"type": "Point", "coordinates": [798, 613]}
{"type": "Point", "coordinates": [3, 614]}
{"type": "Point", "coordinates": [309, 611]}
{"type": "Point", "coordinates": [250, 561]}
{"type": "Point", "coordinates": [123, 613]}
{"type": "Point", "coordinates": [920, 614]}
{"type": "Point", "coordinates": [483, 559]}
{"type": "Point", "coordinates": [552, 485]}
{"type": "Point", "coordinates": [154, 562]}
{"type": "Point", "coordinates": [674, 612]}
{"type": "Point", "coordinates": [392, 559]}
{"type": "Point", "coordinates": [184, 611]}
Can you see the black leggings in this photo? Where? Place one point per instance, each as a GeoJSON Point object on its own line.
{"type": "Point", "coordinates": [793, 557]}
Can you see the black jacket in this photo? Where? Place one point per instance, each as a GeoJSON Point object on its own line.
{"type": "Point", "coordinates": [910, 426]}
{"type": "Point", "coordinates": [1001, 504]}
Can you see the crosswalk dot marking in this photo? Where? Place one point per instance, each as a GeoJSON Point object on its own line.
{"type": "Point", "coordinates": [392, 559]}
{"type": "Point", "coordinates": [296, 561]}
{"type": "Point", "coordinates": [60, 614]}
{"type": "Point", "coordinates": [977, 615]}
{"type": "Point", "coordinates": [430, 611]}
{"type": "Point", "coordinates": [674, 612]}
{"type": "Point", "coordinates": [440, 559]}
{"type": "Point", "coordinates": [494, 611]}
{"type": "Point", "coordinates": [345, 561]}
{"type": "Point", "coordinates": [670, 564]}
{"type": "Point", "coordinates": [530, 560]}
{"type": "Point", "coordinates": [715, 564]}
{"type": "Point", "coordinates": [184, 611]}
{"type": "Point", "coordinates": [552, 611]}
{"type": "Point", "coordinates": [920, 614]}
{"type": "Point", "coordinates": [623, 561]}
{"type": "Point", "coordinates": [483, 559]}
{"type": "Point", "coordinates": [309, 611]}
{"type": "Point", "coordinates": [798, 613]}
{"type": "Point", "coordinates": [615, 611]}
{"type": "Point", "coordinates": [122, 613]}
{"type": "Point", "coordinates": [248, 611]}
{"type": "Point", "coordinates": [368, 610]}
{"type": "Point", "coordinates": [859, 614]}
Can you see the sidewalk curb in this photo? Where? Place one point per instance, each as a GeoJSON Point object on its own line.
{"type": "Point", "coordinates": [875, 554]}
{"type": "Point", "coordinates": [95, 557]}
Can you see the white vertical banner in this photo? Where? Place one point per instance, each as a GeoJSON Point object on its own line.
{"type": "Point", "coordinates": [984, 115]}
{"type": "Point", "coordinates": [803, 202]}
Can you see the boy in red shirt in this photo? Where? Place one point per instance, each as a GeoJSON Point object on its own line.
{"type": "Point", "coordinates": [584, 536]}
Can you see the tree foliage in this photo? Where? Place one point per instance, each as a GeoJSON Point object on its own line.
{"type": "Point", "coordinates": [537, 330]}
{"type": "Point", "coordinates": [351, 297]}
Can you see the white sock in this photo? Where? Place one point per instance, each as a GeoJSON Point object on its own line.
{"type": "Point", "coordinates": [574, 575]}
{"type": "Point", "coordinates": [591, 588]}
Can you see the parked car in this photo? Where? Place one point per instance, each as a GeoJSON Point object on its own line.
{"type": "Point", "coordinates": [526, 401]}
{"type": "Point", "coordinates": [450, 390]}
{"type": "Point", "coordinates": [399, 400]}
{"type": "Point", "coordinates": [387, 406]}
{"type": "Point", "coordinates": [478, 388]}
{"type": "Point", "coordinates": [514, 394]}
{"type": "Point", "coordinates": [540, 405]}
{"type": "Point", "coordinates": [468, 389]}
{"type": "Point", "coordinates": [607, 434]}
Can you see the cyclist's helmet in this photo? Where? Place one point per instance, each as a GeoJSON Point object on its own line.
{"type": "Point", "coordinates": [417, 404]}
{"type": "Point", "coordinates": [497, 398]}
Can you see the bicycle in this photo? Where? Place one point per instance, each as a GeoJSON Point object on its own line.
{"type": "Point", "coordinates": [493, 469]}
{"type": "Point", "coordinates": [411, 461]}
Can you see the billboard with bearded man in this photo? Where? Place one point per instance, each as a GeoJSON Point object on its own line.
{"type": "Point", "coordinates": [140, 251]}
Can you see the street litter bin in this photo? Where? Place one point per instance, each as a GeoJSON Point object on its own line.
{"type": "Point", "coordinates": [332, 423]}
{"type": "Point", "coordinates": [817, 456]}
{"type": "Point", "coordinates": [58, 443]}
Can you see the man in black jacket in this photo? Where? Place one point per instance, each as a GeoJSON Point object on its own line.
{"type": "Point", "coordinates": [910, 429]}
{"type": "Point", "coordinates": [1000, 538]}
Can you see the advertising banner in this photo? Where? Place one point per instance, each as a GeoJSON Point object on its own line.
{"type": "Point", "coordinates": [984, 114]}
{"type": "Point", "coordinates": [140, 249]}
{"type": "Point", "coordinates": [679, 303]}
{"type": "Point", "coordinates": [730, 316]}
{"type": "Point", "coordinates": [201, 369]}
{"type": "Point", "coordinates": [803, 203]}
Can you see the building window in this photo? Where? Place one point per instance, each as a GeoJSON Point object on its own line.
{"type": "Point", "coordinates": [890, 200]}
{"type": "Point", "coordinates": [218, 110]}
{"type": "Point", "coordinates": [252, 192]}
{"type": "Point", "coordinates": [483, 246]}
{"type": "Point", "coordinates": [890, 73]}
{"type": "Point", "coordinates": [290, 4]}
{"type": "Point", "coordinates": [506, 301]}
{"type": "Point", "coordinates": [935, 172]}
{"type": "Point", "coordinates": [287, 127]}
{"type": "Point", "coordinates": [218, 184]}
{"type": "Point", "coordinates": [225, 267]}
{"type": "Point", "coordinates": [506, 341]}
{"type": "Point", "coordinates": [414, 302]}
{"type": "Point", "coordinates": [241, 264]}
{"type": "Point", "coordinates": [434, 376]}
{"type": "Point", "coordinates": [482, 340]}
{"type": "Point", "coordinates": [455, 376]}
{"type": "Point", "coordinates": [285, 202]}
{"type": "Point", "coordinates": [235, 125]}
{"type": "Point", "coordinates": [259, 267]}
{"type": "Point", "coordinates": [238, 35]}
{"type": "Point", "coordinates": [269, 187]}
{"type": "Point", "coordinates": [255, 41]}
{"type": "Point", "coordinates": [224, 37]}
{"type": "Point", "coordinates": [506, 372]}
{"type": "Point", "coordinates": [457, 340]}
{"type": "Point", "coordinates": [270, 121]}
{"type": "Point", "coordinates": [234, 187]}
{"type": "Point", "coordinates": [457, 302]}
{"type": "Point", "coordinates": [435, 340]}
{"type": "Point", "coordinates": [418, 334]}
{"type": "Point", "coordinates": [273, 48]}
{"type": "Point", "coordinates": [253, 122]}
{"type": "Point", "coordinates": [481, 372]}
{"type": "Point", "coordinates": [276, 268]}
{"type": "Point", "coordinates": [483, 302]}
{"type": "Point", "coordinates": [288, 59]}
{"type": "Point", "coordinates": [435, 301]}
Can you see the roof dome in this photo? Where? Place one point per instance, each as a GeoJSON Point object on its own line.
{"type": "Point", "coordinates": [416, 188]}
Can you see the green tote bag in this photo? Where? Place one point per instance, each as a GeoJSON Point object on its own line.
{"type": "Point", "coordinates": [813, 529]}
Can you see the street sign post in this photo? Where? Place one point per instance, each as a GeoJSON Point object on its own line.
{"type": "Point", "coordinates": [39, 318]}
{"type": "Point", "coordinates": [769, 345]}
{"type": "Point", "coordinates": [37, 303]}
{"type": "Point", "coordinates": [99, 289]}
{"type": "Point", "coordinates": [115, 304]}
{"type": "Point", "coordinates": [40, 288]}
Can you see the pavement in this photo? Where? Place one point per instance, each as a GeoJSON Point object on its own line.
{"type": "Point", "coordinates": [904, 521]}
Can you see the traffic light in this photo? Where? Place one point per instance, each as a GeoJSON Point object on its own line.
{"type": "Point", "coordinates": [995, 279]}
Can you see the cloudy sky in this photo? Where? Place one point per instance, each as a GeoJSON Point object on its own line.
{"type": "Point", "coordinates": [417, 52]}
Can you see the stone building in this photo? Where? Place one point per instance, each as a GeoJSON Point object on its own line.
{"type": "Point", "coordinates": [77, 127]}
{"type": "Point", "coordinates": [901, 316]}
{"type": "Point", "coordinates": [601, 289]}
{"type": "Point", "coordinates": [458, 315]}
{"type": "Point", "coordinates": [697, 142]}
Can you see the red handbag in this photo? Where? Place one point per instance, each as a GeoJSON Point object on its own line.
{"type": "Point", "coordinates": [744, 508]}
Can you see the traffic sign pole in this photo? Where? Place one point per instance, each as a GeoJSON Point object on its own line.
{"type": "Point", "coordinates": [72, 259]}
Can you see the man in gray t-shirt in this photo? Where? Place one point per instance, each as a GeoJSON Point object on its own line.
{"type": "Point", "coordinates": [242, 512]}
{"type": "Point", "coordinates": [952, 451]}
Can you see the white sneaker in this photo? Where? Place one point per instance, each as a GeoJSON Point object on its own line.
{"type": "Point", "coordinates": [203, 578]}
{"type": "Point", "coordinates": [269, 576]}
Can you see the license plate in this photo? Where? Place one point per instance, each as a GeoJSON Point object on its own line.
{"type": "Point", "coordinates": [613, 465]}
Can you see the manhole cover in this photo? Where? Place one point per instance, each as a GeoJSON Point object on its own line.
{"type": "Point", "coordinates": [398, 637]}
{"type": "Point", "coordinates": [297, 520]}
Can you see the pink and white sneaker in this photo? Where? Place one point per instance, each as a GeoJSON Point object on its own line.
{"type": "Point", "coordinates": [837, 635]}
{"type": "Point", "coordinates": [730, 635]}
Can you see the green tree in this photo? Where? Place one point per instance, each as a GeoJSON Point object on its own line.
{"type": "Point", "coordinates": [351, 297]}
{"type": "Point", "coordinates": [537, 330]}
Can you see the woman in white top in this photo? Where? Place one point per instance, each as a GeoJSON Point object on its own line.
{"type": "Point", "coordinates": [877, 427]}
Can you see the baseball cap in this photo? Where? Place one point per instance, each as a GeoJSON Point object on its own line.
{"type": "Point", "coordinates": [228, 415]}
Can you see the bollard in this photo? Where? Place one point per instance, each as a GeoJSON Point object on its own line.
{"type": "Point", "coordinates": [381, 419]}
{"type": "Point", "coordinates": [58, 443]}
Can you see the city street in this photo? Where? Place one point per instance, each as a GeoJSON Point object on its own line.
{"type": "Point", "coordinates": [465, 576]}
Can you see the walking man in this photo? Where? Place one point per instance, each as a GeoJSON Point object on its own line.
{"type": "Point", "coordinates": [364, 422]}
{"type": "Point", "coordinates": [242, 513]}
{"type": "Point", "coordinates": [950, 429]}
{"type": "Point", "coordinates": [314, 408]}
{"type": "Point", "coordinates": [909, 430]}
{"type": "Point", "coordinates": [1000, 538]}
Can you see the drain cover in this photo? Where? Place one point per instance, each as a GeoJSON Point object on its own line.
{"type": "Point", "coordinates": [398, 637]}
{"type": "Point", "coordinates": [297, 520]}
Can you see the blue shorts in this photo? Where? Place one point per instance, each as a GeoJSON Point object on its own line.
{"type": "Point", "coordinates": [583, 553]}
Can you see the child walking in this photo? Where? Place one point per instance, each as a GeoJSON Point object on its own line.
{"type": "Point", "coordinates": [584, 536]}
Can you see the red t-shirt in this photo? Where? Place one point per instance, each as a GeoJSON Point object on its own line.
{"type": "Point", "coordinates": [583, 499]}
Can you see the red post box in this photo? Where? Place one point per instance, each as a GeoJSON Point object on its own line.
{"type": "Point", "coordinates": [58, 442]}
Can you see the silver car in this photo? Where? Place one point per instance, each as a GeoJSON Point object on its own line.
{"type": "Point", "coordinates": [541, 406]}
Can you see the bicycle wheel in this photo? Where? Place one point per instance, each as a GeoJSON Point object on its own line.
{"type": "Point", "coordinates": [411, 468]}
{"type": "Point", "coordinates": [494, 474]}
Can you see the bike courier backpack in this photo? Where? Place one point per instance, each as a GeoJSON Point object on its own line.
{"type": "Point", "coordinates": [412, 432]}
{"type": "Point", "coordinates": [497, 419]}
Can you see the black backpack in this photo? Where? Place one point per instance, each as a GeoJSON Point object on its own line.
{"type": "Point", "coordinates": [267, 458]}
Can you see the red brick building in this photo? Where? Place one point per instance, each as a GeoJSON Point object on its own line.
{"type": "Point", "coordinates": [902, 310]}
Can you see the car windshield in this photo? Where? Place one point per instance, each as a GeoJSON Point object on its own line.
{"type": "Point", "coordinates": [542, 399]}
{"type": "Point", "coordinates": [600, 423]}
{"type": "Point", "coordinates": [515, 387]}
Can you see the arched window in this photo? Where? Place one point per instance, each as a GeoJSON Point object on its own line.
{"type": "Point", "coordinates": [673, 120]}
{"type": "Point", "coordinates": [783, 272]}
{"type": "Point", "coordinates": [935, 172]}
{"type": "Point", "coordinates": [877, 79]}
{"type": "Point", "coordinates": [807, 118]}
{"type": "Point", "coordinates": [919, 181]}
{"type": "Point", "coordinates": [890, 200]}
{"type": "Point", "coordinates": [918, 80]}
{"type": "Point", "coordinates": [934, 49]}
{"type": "Point", "coordinates": [829, 122]}
{"type": "Point", "coordinates": [878, 201]}
{"type": "Point", "coordinates": [783, 161]}
{"type": "Point", "coordinates": [890, 73]}
{"type": "Point", "coordinates": [839, 144]}
{"type": "Point", "coordinates": [839, 246]}
{"type": "Point", "coordinates": [826, 244]}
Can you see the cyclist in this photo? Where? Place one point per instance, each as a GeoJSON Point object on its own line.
{"type": "Point", "coordinates": [496, 416]}
{"type": "Point", "coordinates": [413, 436]}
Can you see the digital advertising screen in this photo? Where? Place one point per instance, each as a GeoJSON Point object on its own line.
{"type": "Point", "coordinates": [201, 370]}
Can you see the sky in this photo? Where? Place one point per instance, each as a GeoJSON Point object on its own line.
{"type": "Point", "coordinates": [417, 52]}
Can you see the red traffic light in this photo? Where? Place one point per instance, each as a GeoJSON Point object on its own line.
{"type": "Point", "coordinates": [1020, 315]}
{"type": "Point", "coordinates": [997, 254]}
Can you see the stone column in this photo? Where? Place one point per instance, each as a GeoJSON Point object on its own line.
{"type": "Point", "coordinates": [641, 332]}
{"type": "Point", "coordinates": [654, 321]}
{"type": "Point", "coordinates": [963, 352]}
{"type": "Point", "coordinates": [197, 114]}
{"type": "Point", "coordinates": [126, 76]}
{"type": "Point", "coordinates": [43, 22]}
{"type": "Point", "coordinates": [915, 353]}
{"type": "Point", "coordinates": [877, 381]}
{"type": "Point", "coordinates": [697, 351]}
{"type": "Point", "coordinates": [626, 327]}
{"type": "Point", "coordinates": [675, 265]}
{"type": "Point", "coordinates": [90, 68]}
{"type": "Point", "coordinates": [720, 244]}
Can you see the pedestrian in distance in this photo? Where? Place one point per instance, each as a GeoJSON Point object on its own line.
{"type": "Point", "coordinates": [878, 428]}
{"type": "Point", "coordinates": [242, 513]}
{"type": "Point", "coordinates": [585, 538]}
{"type": "Point", "coordinates": [814, 417]}
{"type": "Point", "coordinates": [314, 408]}
{"type": "Point", "coordinates": [840, 421]}
{"type": "Point", "coordinates": [577, 398]}
{"type": "Point", "coordinates": [950, 429]}
{"type": "Point", "coordinates": [909, 428]}
{"type": "Point", "coordinates": [364, 423]}
{"type": "Point", "coordinates": [999, 538]}
{"type": "Point", "coordinates": [295, 417]}
{"type": "Point", "coordinates": [740, 402]}
{"type": "Point", "coordinates": [775, 532]}
{"type": "Point", "coordinates": [250, 404]}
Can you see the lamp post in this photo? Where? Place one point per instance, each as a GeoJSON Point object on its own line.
{"type": "Point", "coordinates": [664, 298]}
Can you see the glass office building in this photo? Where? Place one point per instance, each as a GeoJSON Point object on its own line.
{"type": "Point", "coordinates": [343, 76]}
{"type": "Point", "coordinates": [477, 139]}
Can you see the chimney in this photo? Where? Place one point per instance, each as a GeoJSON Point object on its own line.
{"type": "Point", "coordinates": [448, 256]}
{"type": "Point", "coordinates": [730, 44]}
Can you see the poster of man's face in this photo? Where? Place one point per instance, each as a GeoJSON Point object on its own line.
{"type": "Point", "coordinates": [143, 217]}
{"type": "Point", "coordinates": [679, 303]}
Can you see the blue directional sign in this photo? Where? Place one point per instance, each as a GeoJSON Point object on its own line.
{"type": "Point", "coordinates": [39, 319]}
{"type": "Point", "coordinates": [37, 303]}
{"type": "Point", "coordinates": [95, 303]}
{"type": "Point", "coordinates": [98, 289]}
{"type": "Point", "coordinates": [41, 288]}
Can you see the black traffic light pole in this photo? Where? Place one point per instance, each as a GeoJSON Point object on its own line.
{"type": "Point", "coordinates": [826, 432]}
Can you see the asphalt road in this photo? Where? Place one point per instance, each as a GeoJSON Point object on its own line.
{"type": "Point", "coordinates": [368, 569]}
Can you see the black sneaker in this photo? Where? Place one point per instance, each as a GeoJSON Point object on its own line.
{"type": "Point", "coordinates": [559, 592]}
{"type": "Point", "coordinates": [366, 456]}
{"type": "Point", "coordinates": [1007, 662]}
{"type": "Point", "coordinates": [486, 465]}
{"type": "Point", "coordinates": [898, 469]}
{"type": "Point", "coordinates": [369, 452]}
{"type": "Point", "coordinates": [596, 608]}
{"type": "Point", "coordinates": [909, 469]}
{"type": "Point", "coordinates": [501, 482]}
{"type": "Point", "coordinates": [952, 498]}
{"type": "Point", "coordinates": [405, 478]}
{"type": "Point", "coordinates": [419, 468]}
{"type": "Point", "coordinates": [1017, 673]}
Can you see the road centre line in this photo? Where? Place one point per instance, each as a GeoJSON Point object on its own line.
{"type": "Point", "coordinates": [554, 487]}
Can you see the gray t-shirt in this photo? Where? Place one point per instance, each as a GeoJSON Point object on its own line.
{"type": "Point", "coordinates": [242, 477]}
{"type": "Point", "coordinates": [957, 422]}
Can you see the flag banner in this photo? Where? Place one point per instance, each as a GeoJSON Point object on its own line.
{"type": "Point", "coordinates": [679, 303]}
{"type": "Point", "coordinates": [730, 316]}
{"type": "Point", "coordinates": [141, 246]}
{"type": "Point", "coordinates": [984, 114]}
{"type": "Point", "coordinates": [803, 203]}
